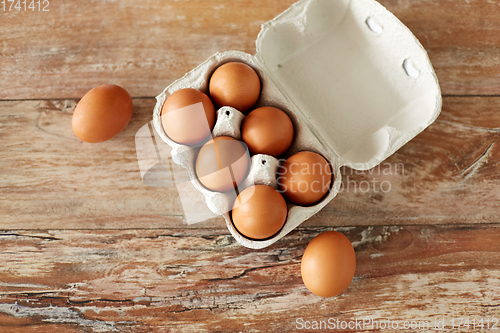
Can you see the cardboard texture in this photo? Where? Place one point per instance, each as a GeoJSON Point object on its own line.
{"type": "Point", "coordinates": [354, 80]}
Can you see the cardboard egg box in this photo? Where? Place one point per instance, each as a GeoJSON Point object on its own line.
{"type": "Point", "coordinates": [355, 82]}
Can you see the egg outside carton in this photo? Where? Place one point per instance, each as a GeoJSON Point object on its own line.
{"type": "Point", "coordinates": [263, 168]}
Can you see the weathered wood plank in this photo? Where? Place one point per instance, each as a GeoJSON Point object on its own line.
{"type": "Point", "coordinates": [51, 180]}
{"type": "Point", "coordinates": [145, 45]}
{"type": "Point", "coordinates": [450, 173]}
{"type": "Point", "coordinates": [462, 39]}
{"type": "Point", "coordinates": [142, 46]}
{"type": "Point", "coordinates": [202, 281]}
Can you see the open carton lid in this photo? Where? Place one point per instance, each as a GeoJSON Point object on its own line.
{"type": "Point", "coordinates": [359, 79]}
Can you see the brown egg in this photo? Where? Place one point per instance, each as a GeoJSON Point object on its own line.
{"type": "Point", "coordinates": [305, 178]}
{"type": "Point", "coordinates": [188, 116]}
{"type": "Point", "coordinates": [235, 84]}
{"type": "Point", "coordinates": [259, 212]}
{"type": "Point", "coordinates": [267, 130]}
{"type": "Point", "coordinates": [328, 264]}
{"type": "Point", "coordinates": [222, 164]}
{"type": "Point", "coordinates": [102, 113]}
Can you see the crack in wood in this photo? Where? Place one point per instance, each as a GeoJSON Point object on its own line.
{"type": "Point", "coordinates": [478, 162]}
{"type": "Point", "coordinates": [10, 116]}
{"type": "Point", "coordinates": [3, 234]}
{"type": "Point", "coordinates": [232, 305]}
{"type": "Point", "coordinates": [188, 300]}
{"type": "Point", "coordinates": [242, 274]}
{"type": "Point", "coordinates": [453, 160]}
{"type": "Point", "coordinates": [115, 302]}
{"type": "Point", "coordinates": [490, 305]}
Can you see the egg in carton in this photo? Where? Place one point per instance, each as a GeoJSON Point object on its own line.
{"type": "Point", "coordinates": [355, 82]}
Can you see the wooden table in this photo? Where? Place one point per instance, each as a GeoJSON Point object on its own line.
{"type": "Point", "coordinates": [87, 247]}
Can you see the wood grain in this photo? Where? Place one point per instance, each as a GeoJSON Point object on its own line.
{"type": "Point", "coordinates": [201, 280]}
{"type": "Point", "coordinates": [462, 39]}
{"type": "Point", "coordinates": [447, 174]}
{"type": "Point", "coordinates": [51, 180]}
{"type": "Point", "coordinates": [86, 246]}
{"type": "Point", "coordinates": [144, 46]}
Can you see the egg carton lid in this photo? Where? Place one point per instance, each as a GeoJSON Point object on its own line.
{"type": "Point", "coordinates": [360, 80]}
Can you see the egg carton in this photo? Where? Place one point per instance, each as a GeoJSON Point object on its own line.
{"type": "Point", "coordinates": [355, 82]}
